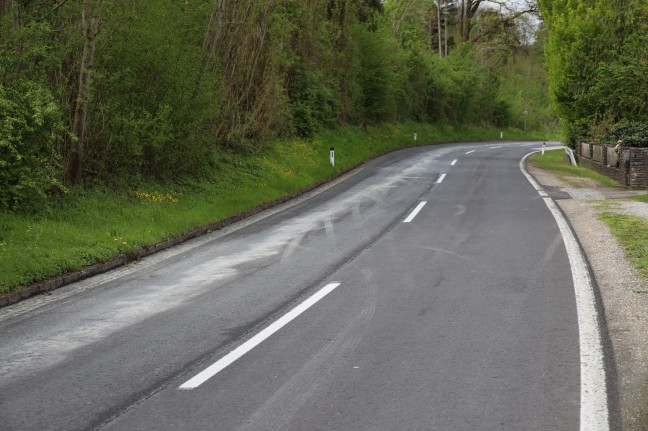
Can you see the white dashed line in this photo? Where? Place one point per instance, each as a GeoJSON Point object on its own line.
{"type": "Point", "coordinates": [416, 211]}
{"type": "Point", "coordinates": [441, 178]}
{"type": "Point", "coordinates": [454, 162]}
{"type": "Point", "coordinates": [235, 354]}
{"type": "Point", "coordinates": [471, 151]}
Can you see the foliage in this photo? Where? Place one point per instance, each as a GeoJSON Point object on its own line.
{"type": "Point", "coordinates": [30, 124]}
{"type": "Point", "coordinates": [170, 87]}
{"type": "Point", "coordinates": [556, 161]}
{"type": "Point", "coordinates": [633, 134]}
{"type": "Point", "coordinates": [597, 62]}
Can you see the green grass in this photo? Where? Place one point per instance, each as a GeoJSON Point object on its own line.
{"type": "Point", "coordinates": [556, 161]}
{"type": "Point", "coordinates": [96, 225]}
{"type": "Point", "coordinates": [632, 233]}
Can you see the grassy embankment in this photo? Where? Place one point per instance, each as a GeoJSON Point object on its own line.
{"type": "Point", "coordinates": [555, 161]}
{"type": "Point", "coordinates": [631, 231]}
{"type": "Point", "coordinates": [96, 225]}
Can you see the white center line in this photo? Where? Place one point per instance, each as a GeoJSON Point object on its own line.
{"type": "Point", "coordinates": [471, 151]}
{"type": "Point", "coordinates": [454, 162]}
{"type": "Point", "coordinates": [441, 178]}
{"type": "Point", "coordinates": [416, 211]}
{"type": "Point", "coordinates": [235, 354]}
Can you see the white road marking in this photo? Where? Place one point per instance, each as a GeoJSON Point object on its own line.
{"type": "Point", "coordinates": [495, 147]}
{"type": "Point", "coordinates": [454, 162]}
{"type": "Point", "coordinates": [441, 178]}
{"type": "Point", "coordinates": [416, 211]}
{"type": "Point", "coordinates": [235, 354]}
{"type": "Point", "coordinates": [593, 403]}
{"type": "Point", "coordinates": [472, 151]}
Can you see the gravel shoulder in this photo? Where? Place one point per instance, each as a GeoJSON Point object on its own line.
{"type": "Point", "coordinates": [622, 290]}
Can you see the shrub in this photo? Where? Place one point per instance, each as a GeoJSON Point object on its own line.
{"type": "Point", "coordinates": [633, 134]}
{"type": "Point", "coordinates": [30, 126]}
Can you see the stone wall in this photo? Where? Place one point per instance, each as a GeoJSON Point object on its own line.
{"type": "Point", "coordinates": [612, 156]}
{"type": "Point", "coordinates": [597, 154]}
{"type": "Point", "coordinates": [629, 167]}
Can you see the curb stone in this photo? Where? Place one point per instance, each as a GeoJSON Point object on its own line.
{"type": "Point", "coordinates": [45, 286]}
{"type": "Point", "coordinates": [99, 268]}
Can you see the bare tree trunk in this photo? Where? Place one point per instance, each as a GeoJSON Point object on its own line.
{"type": "Point", "coordinates": [439, 27]}
{"type": "Point", "coordinates": [5, 7]}
{"type": "Point", "coordinates": [462, 18]}
{"type": "Point", "coordinates": [430, 19]}
{"type": "Point", "coordinates": [90, 25]}
{"type": "Point", "coordinates": [445, 33]}
{"type": "Point", "coordinates": [468, 11]}
{"type": "Point", "coordinates": [9, 7]}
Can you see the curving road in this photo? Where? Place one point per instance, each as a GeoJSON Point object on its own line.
{"type": "Point", "coordinates": [430, 289]}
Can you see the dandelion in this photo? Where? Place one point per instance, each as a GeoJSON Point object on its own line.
{"type": "Point", "coordinates": [156, 197]}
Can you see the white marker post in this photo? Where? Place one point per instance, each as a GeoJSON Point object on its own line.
{"type": "Point", "coordinates": [525, 112]}
{"type": "Point", "coordinates": [415, 137]}
{"type": "Point", "coordinates": [501, 135]}
{"type": "Point", "coordinates": [332, 156]}
{"type": "Point", "coordinates": [544, 144]}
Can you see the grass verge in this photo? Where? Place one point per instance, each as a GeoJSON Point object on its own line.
{"type": "Point", "coordinates": [632, 233]}
{"type": "Point", "coordinates": [556, 161]}
{"type": "Point", "coordinates": [89, 226]}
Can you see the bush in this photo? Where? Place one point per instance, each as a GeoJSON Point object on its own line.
{"type": "Point", "coordinates": [30, 126]}
{"type": "Point", "coordinates": [633, 134]}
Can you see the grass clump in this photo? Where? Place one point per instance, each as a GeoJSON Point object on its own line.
{"type": "Point", "coordinates": [556, 161]}
{"type": "Point", "coordinates": [632, 233]}
{"type": "Point", "coordinates": [88, 226]}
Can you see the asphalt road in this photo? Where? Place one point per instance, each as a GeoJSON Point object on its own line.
{"type": "Point", "coordinates": [462, 318]}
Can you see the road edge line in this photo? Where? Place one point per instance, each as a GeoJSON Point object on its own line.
{"type": "Point", "coordinates": [594, 410]}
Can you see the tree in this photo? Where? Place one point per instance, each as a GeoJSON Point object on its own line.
{"type": "Point", "coordinates": [595, 56]}
{"type": "Point", "coordinates": [507, 9]}
{"type": "Point", "coordinates": [90, 26]}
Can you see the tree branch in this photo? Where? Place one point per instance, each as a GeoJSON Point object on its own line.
{"type": "Point", "coordinates": [54, 9]}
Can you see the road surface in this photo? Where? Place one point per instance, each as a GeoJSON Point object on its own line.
{"type": "Point", "coordinates": [430, 289]}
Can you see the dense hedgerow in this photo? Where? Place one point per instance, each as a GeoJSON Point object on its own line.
{"type": "Point", "coordinates": [632, 134]}
{"type": "Point", "coordinates": [30, 127]}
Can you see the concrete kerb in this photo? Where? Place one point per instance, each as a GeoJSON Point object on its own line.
{"type": "Point", "coordinates": [99, 268]}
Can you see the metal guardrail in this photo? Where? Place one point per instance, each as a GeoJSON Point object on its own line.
{"type": "Point", "coordinates": [570, 154]}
